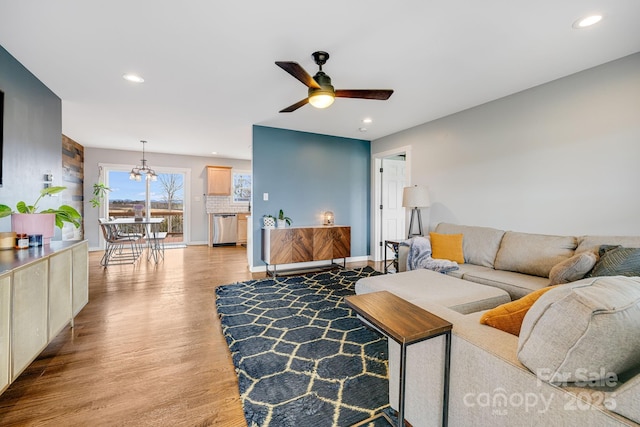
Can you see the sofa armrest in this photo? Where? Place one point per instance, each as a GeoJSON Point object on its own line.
{"type": "Point", "coordinates": [627, 399]}
{"type": "Point", "coordinates": [403, 253]}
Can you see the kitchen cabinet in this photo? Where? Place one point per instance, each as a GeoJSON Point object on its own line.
{"type": "Point", "coordinates": [219, 180]}
{"type": "Point", "coordinates": [242, 228]}
{"type": "Point", "coordinates": [304, 244]}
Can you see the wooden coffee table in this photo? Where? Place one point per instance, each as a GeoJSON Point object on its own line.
{"type": "Point", "coordinates": [406, 324]}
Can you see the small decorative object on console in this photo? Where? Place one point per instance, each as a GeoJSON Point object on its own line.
{"type": "Point", "coordinates": [328, 218]}
{"type": "Point", "coordinates": [268, 221]}
{"type": "Point", "coordinates": [282, 220]}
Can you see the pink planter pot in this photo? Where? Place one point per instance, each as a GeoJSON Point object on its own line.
{"type": "Point", "coordinates": [35, 224]}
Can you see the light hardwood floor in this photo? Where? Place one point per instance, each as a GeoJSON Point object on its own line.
{"type": "Point", "coordinates": [146, 351]}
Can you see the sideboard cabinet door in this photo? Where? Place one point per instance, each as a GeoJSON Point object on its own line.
{"type": "Point", "coordinates": [322, 244]}
{"type": "Point", "coordinates": [59, 292]}
{"type": "Point", "coordinates": [341, 242]}
{"type": "Point", "coordinates": [302, 241]}
{"type": "Point", "coordinates": [29, 315]}
{"type": "Point", "coordinates": [80, 278]}
{"type": "Point", "coordinates": [5, 319]}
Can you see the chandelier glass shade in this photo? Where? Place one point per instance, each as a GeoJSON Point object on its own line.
{"type": "Point", "coordinates": [138, 171]}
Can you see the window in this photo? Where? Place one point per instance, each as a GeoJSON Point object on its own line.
{"type": "Point", "coordinates": [166, 197]}
{"type": "Point", "coordinates": [241, 187]}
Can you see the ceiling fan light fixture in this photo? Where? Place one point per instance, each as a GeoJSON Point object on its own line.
{"type": "Point", "coordinates": [321, 92]}
{"type": "Point", "coordinates": [321, 98]}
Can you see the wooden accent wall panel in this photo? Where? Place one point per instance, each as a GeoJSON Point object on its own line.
{"type": "Point", "coordinates": [73, 179]}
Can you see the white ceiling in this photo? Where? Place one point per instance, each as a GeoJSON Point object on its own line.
{"type": "Point", "coordinates": [210, 72]}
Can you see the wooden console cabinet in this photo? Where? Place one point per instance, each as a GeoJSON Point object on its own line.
{"type": "Point", "coordinates": [305, 244]}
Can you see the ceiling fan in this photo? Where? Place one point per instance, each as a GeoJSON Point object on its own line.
{"type": "Point", "coordinates": [321, 92]}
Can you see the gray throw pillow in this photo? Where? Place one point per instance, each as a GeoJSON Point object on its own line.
{"type": "Point", "coordinates": [617, 261]}
{"type": "Point", "coordinates": [572, 269]}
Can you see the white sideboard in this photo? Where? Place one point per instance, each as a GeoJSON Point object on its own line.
{"type": "Point", "coordinates": [41, 291]}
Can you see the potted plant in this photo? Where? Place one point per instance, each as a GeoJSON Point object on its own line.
{"type": "Point", "coordinates": [99, 193]}
{"type": "Point", "coordinates": [28, 220]}
{"type": "Point", "coordinates": [283, 221]}
{"type": "Point", "coordinates": [268, 221]}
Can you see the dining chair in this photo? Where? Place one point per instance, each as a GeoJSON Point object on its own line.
{"type": "Point", "coordinates": [122, 233]}
{"type": "Point", "coordinates": [155, 242]}
{"type": "Point", "coordinates": [118, 250]}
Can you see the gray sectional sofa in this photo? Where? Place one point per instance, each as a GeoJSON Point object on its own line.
{"type": "Point", "coordinates": [490, 384]}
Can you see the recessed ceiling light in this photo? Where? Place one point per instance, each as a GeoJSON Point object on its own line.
{"type": "Point", "coordinates": [587, 21]}
{"type": "Point", "coordinates": [367, 120]}
{"type": "Point", "coordinates": [214, 152]}
{"type": "Point", "coordinates": [133, 78]}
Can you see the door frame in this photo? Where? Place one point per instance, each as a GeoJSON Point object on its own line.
{"type": "Point", "coordinates": [376, 197]}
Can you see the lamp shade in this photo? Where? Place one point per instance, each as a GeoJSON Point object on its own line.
{"type": "Point", "coordinates": [415, 197]}
{"type": "Point", "coordinates": [321, 99]}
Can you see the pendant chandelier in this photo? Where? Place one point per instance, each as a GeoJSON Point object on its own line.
{"type": "Point", "coordinates": [136, 172]}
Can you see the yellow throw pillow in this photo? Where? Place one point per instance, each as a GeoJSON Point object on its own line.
{"type": "Point", "coordinates": [508, 317]}
{"type": "Point", "coordinates": [447, 246]}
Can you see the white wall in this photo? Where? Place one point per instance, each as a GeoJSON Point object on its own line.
{"type": "Point", "coordinates": [196, 208]}
{"type": "Point", "coordinates": [560, 158]}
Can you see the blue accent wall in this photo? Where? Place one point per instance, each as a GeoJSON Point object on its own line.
{"type": "Point", "coordinates": [306, 174]}
{"type": "Point", "coordinates": [32, 137]}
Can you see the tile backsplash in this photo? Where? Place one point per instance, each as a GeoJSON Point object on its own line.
{"type": "Point", "coordinates": [223, 204]}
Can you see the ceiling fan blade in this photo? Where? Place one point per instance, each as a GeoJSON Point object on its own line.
{"type": "Point", "coordinates": [295, 106]}
{"type": "Point", "coordinates": [381, 94]}
{"type": "Point", "coordinates": [298, 72]}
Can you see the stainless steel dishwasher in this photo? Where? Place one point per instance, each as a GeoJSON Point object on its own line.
{"type": "Point", "coordinates": [225, 229]}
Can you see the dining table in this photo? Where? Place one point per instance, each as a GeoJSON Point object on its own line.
{"type": "Point", "coordinates": [150, 229]}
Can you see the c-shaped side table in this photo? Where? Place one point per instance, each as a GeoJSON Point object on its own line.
{"type": "Point", "coordinates": [406, 324]}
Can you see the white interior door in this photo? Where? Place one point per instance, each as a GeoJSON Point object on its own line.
{"type": "Point", "coordinates": [393, 182]}
{"type": "Point", "coordinates": [390, 173]}
{"type": "Point", "coordinates": [393, 214]}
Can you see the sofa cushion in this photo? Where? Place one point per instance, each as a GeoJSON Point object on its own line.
{"type": "Point", "coordinates": [480, 244]}
{"type": "Point", "coordinates": [585, 329]}
{"type": "Point", "coordinates": [516, 284]}
{"type": "Point", "coordinates": [456, 294]}
{"type": "Point", "coordinates": [508, 317]}
{"type": "Point", "coordinates": [618, 261]}
{"type": "Point", "coordinates": [627, 399]}
{"type": "Point", "coordinates": [572, 269]}
{"type": "Point", "coordinates": [465, 269]}
{"type": "Point", "coordinates": [593, 243]}
{"type": "Point", "coordinates": [533, 254]}
{"type": "Point", "coordinates": [447, 246]}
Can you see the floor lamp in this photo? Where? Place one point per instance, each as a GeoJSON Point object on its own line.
{"type": "Point", "coordinates": [415, 197]}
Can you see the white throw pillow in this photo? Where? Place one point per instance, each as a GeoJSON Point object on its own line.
{"type": "Point", "coordinates": [583, 331]}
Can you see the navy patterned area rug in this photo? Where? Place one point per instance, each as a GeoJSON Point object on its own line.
{"type": "Point", "coordinates": [302, 356]}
